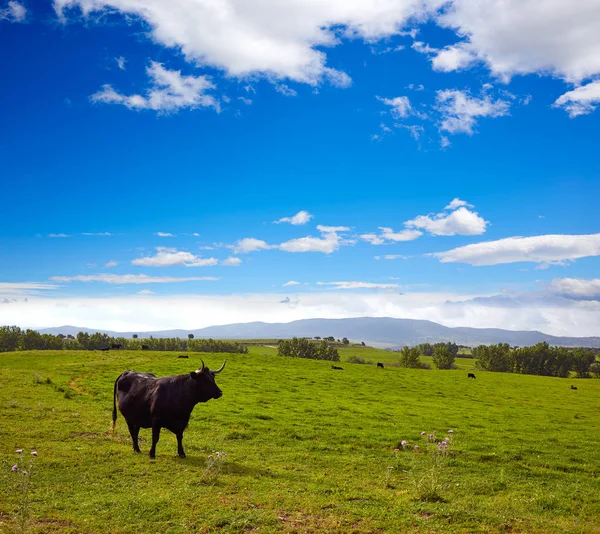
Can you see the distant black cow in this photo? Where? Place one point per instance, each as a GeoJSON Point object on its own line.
{"type": "Point", "coordinates": [104, 348]}
{"type": "Point", "coordinates": [573, 387]}
{"type": "Point", "coordinates": [145, 347]}
{"type": "Point", "coordinates": [183, 356]}
{"type": "Point", "coordinates": [146, 401]}
{"type": "Point", "coordinates": [116, 346]}
{"type": "Point", "coordinates": [338, 368]}
{"type": "Point", "coordinates": [471, 375]}
{"type": "Point", "coordinates": [379, 364]}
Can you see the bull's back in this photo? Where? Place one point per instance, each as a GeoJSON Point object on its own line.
{"type": "Point", "coordinates": [134, 396]}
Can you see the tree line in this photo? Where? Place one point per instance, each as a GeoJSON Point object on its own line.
{"type": "Point", "coordinates": [540, 359]}
{"type": "Point", "coordinates": [13, 338]}
{"type": "Point", "coordinates": [305, 348]}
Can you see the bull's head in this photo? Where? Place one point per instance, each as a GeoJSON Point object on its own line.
{"type": "Point", "coordinates": [206, 387]}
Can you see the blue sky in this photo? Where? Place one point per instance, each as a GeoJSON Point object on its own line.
{"type": "Point", "coordinates": [399, 158]}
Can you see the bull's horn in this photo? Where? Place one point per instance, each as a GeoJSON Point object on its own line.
{"type": "Point", "coordinates": [220, 368]}
{"type": "Point", "coordinates": [202, 368]}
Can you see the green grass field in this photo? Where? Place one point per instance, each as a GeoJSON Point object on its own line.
{"type": "Point", "coordinates": [307, 449]}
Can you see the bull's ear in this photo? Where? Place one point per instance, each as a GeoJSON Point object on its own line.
{"type": "Point", "coordinates": [194, 375]}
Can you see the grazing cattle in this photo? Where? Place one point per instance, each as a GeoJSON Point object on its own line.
{"type": "Point", "coordinates": [146, 401]}
{"type": "Point", "coordinates": [379, 364]}
{"type": "Point", "coordinates": [183, 356]}
{"type": "Point", "coordinates": [145, 347]}
{"type": "Point", "coordinates": [338, 368]}
{"type": "Point", "coordinates": [104, 348]}
{"type": "Point", "coordinates": [116, 346]}
{"type": "Point", "coordinates": [573, 387]}
{"type": "Point", "coordinates": [471, 375]}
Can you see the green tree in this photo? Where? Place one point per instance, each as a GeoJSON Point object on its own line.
{"type": "Point", "coordinates": [10, 338]}
{"type": "Point", "coordinates": [135, 336]}
{"type": "Point", "coordinates": [582, 360]}
{"type": "Point", "coordinates": [595, 369]}
{"type": "Point", "coordinates": [345, 341]}
{"type": "Point", "coordinates": [410, 357]}
{"type": "Point", "coordinates": [426, 349]}
{"type": "Point", "coordinates": [190, 336]}
{"type": "Point", "coordinates": [304, 348]}
{"type": "Point", "coordinates": [443, 358]}
{"type": "Point", "coordinates": [32, 340]}
{"type": "Point", "coordinates": [497, 358]}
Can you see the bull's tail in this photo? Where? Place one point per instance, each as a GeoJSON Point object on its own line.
{"type": "Point", "coordinates": [114, 413]}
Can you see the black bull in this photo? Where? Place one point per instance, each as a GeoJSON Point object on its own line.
{"type": "Point", "coordinates": [146, 401]}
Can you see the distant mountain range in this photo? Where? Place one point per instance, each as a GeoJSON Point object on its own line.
{"type": "Point", "coordinates": [374, 331]}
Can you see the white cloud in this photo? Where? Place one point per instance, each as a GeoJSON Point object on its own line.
{"type": "Point", "coordinates": [457, 57]}
{"type": "Point", "coordinates": [164, 234]}
{"type": "Point", "coordinates": [170, 91]}
{"type": "Point", "coordinates": [357, 285]}
{"type": "Point", "coordinates": [391, 257]}
{"type": "Point", "coordinates": [374, 239]}
{"type": "Point", "coordinates": [110, 264]}
{"type": "Point", "coordinates": [145, 292]}
{"type": "Point", "coordinates": [415, 130]}
{"type": "Point", "coordinates": [166, 257]}
{"type": "Point", "coordinates": [239, 37]}
{"type": "Point", "coordinates": [521, 37]}
{"type": "Point", "coordinates": [444, 142]}
{"type": "Point", "coordinates": [401, 106]}
{"type": "Point", "coordinates": [232, 261]}
{"type": "Point", "coordinates": [459, 111]}
{"type": "Point", "coordinates": [402, 235]}
{"type": "Point", "coordinates": [537, 249]}
{"type": "Point", "coordinates": [387, 234]}
{"type": "Point", "coordinates": [461, 221]}
{"type": "Point", "coordinates": [458, 203]}
{"type": "Point", "coordinates": [285, 90]}
{"type": "Point", "coordinates": [247, 101]}
{"type": "Point", "coordinates": [328, 243]}
{"type": "Point", "coordinates": [576, 288]}
{"type": "Point", "coordinates": [128, 278]}
{"type": "Point", "coordinates": [24, 288]}
{"type": "Point", "coordinates": [59, 235]}
{"type": "Point", "coordinates": [250, 244]}
{"type": "Point", "coordinates": [556, 315]}
{"type": "Point", "coordinates": [302, 217]}
{"type": "Point", "coordinates": [547, 264]}
{"type": "Point", "coordinates": [14, 12]}
{"type": "Point", "coordinates": [580, 101]}
{"type": "Point", "coordinates": [121, 62]}
{"type": "Point", "coordinates": [291, 283]}
{"type": "Point", "coordinates": [97, 233]}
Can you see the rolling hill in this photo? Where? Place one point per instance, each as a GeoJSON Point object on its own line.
{"type": "Point", "coordinates": [375, 331]}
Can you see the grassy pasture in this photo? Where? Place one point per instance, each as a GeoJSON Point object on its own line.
{"type": "Point", "coordinates": [307, 449]}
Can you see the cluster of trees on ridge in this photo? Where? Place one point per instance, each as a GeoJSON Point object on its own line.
{"type": "Point", "coordinates": [13, 338]}
{"type": "Point", "coordinates": [305, 348]}
{"type": "Point", "coordinates": [540, 359]}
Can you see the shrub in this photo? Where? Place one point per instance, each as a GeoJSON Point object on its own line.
{"type": "Point", "coordinates": [410, 357]}
{"type": "Point", "coordinates": [358, 359]}
{"type": "Point", "coordinates": [304, 348]}
{"type": "Point", "coordinates": [443, 357]}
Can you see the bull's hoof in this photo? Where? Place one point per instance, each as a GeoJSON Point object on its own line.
{"type": "Point", "coordinates": [136, 449]}
{"type": "Point", "coordinates": [182, 455]}
{"type": "Point", "coordinates": [152, 456]}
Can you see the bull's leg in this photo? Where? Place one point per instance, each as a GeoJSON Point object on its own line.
{"type": "Point", "coordinates": [134, 431]}
{"type": "Point", "coordinates": [180, 445]}
{"type": "Point", "coordinates": [155, 438]}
